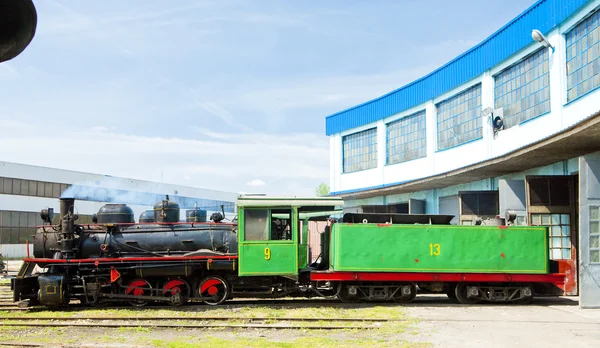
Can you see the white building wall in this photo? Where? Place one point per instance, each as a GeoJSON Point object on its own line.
{"type": "Point", "coordinates": [561, 116]}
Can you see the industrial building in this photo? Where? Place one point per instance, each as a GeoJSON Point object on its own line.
{"type": "Point", "coordinates": [511, 124]}
{"type": "Point", "coordinates": [25, 190]}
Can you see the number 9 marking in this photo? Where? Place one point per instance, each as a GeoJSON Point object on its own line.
{"type": "Point", "coordinates": [267, 254]}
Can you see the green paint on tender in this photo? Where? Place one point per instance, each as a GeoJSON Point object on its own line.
{"type": "Point", "coordinates": [406, 248]}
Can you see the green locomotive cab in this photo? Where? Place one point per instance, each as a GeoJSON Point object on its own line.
{"type": "Point", "coordinates": [273, 233]}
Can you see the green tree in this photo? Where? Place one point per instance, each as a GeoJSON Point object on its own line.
{"type": "Point", "coordinates": [322, 190]}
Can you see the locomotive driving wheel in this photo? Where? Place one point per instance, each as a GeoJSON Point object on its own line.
{"type": "Point", "coordinates": [214, 290]}
{"type": "Point", "coordinates": [138, 287]}
{"type": "Point", "coordinates": [179, 289]}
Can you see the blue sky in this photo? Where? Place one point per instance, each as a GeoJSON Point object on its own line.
{"type": "Point", "coordinates": [228, 95]}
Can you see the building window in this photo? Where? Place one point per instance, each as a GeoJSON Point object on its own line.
{"type": "Point", "coordinates": [459, 118]}
{"type": "Point", "coordinates": [360, 150]}
{"type": "Point", "coordinates": [583, 53]}
{"type": "Point", "coordinates": [594, 234]}
{"type": "Point", "coordinates": [406, 139]}
{"type": "Point", "coordinates": [560, 233]}
{"type": "Point", "coordinates": [523, 90]}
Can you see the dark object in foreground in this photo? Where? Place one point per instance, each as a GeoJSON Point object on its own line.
{"type": "Point", "coordinates": [18, 22]}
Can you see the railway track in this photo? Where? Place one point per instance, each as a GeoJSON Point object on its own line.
{"type": "Point", "coordinates": [177, 322]}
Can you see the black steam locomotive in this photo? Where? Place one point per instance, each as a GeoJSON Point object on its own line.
{"type": "Point", "coordinates": [115, 259]}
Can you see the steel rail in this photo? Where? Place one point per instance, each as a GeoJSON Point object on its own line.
{"type": "Point", "coordinates": [189, 326]}
{"type": "Point", "coordinates": [205, 318]}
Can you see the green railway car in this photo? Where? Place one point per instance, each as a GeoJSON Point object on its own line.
{"type": "Point", "coordinates": [439, 248]}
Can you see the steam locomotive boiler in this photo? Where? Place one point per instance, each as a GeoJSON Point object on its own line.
{"type": "Point", "coordinates": [115, 234]}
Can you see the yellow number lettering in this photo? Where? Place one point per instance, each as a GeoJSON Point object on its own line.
{"type": "Point", "coordinates": [267, 254]}
{"type": "Point", "coordinates": [434, 249]}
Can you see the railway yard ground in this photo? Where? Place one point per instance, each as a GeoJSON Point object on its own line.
{"type": "Point", "coordinates": [431, 321]}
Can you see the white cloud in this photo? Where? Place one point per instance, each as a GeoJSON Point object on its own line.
{"type": "Point", "coordinates": [99, 129]}
{"type": "Point", "coordinates": [256, 182]}
{"type": "Point", "coordinates": [291, 163]}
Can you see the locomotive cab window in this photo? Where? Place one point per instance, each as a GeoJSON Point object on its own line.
{"type": "Point", "coordinates": [267, 224]}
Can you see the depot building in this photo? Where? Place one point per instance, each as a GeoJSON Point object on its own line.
{"type": "Point", "coordinates": [511, 124]}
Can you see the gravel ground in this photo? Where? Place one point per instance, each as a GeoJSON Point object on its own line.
{"type": "Point", "coordinates": [545, 323]}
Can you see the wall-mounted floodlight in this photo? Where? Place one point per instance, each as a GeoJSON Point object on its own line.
{"type": "Point", "coordinates": [539, 37]}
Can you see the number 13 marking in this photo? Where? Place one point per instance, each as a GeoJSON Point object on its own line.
{"type": "Point", "coordinates": [434, 249]}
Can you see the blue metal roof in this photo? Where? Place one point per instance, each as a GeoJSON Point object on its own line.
{"type": "Point", "coordinates": [544, 15]}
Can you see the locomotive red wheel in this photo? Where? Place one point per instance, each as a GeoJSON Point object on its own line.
{"type": "Point", "coordinates": [138, 287]}
{"type": "Point", "coordinates": [213, 290]}
{"type": "Point", "coordinates": [178, 288]}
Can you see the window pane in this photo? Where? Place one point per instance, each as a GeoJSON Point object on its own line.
{"type": "Point", "coordinates": [14, 235]}
{"type": "Point", "coordinates": [41, 189]}
{"type": "Point", "coordinates": [25, 187]}
{"type": "Point", "coordinates": [32, 188]}
{"type": "Point", "coordinates": [23, 219]}
{"type": "Point", "coordinates": [56, 190]}
{"type": "Point", "coordinates": [595, 256]}
{"type": "Point", "coordinates": [594, 241]}
{"type": "Point", "coordinates": [594, 227]}
{"type": "Point", "coordinates": [48, 189]}
{"type": "Point", "coordinates": [14, 219]}
{"type": "Point", "coordinates": [256, 224]}
{"type": "Point", "coordinates": [5, 217]}
{"type": "Point", "coordinates": [34, 219]}
{"type": "Point", "coordinates": [16, 188]}
{"type": "Point", "coordinates": [595, 213]}
{"type": "Point", "coordinates": [7, 186]}
{"type": "Point", "coordinates": [4, 235]}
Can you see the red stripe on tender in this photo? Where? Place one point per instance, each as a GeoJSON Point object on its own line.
{"type": "Point", "coordinates": [556, 278]}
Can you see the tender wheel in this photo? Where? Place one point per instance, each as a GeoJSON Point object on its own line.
{"type": "Point", "coordinates": [213, 290]}
{"type": "Point", "coordinates": [451, 293]}
{"type": "Point", "coordinates": [138, 287]}
{"type": "Point", "coordinates": [462, 295]}
{"type": "Point", "coordinates": [179, 289]}
{"type": "Point", "coordinates": [345, 294]}
{"type": "Point", "coordinates": [406, 293]}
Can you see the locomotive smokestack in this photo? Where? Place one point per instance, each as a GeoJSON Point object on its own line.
{"type": "Point", "coordinates": [66, 207]}
{"type": "Point", "coordinates": [67, 221]}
